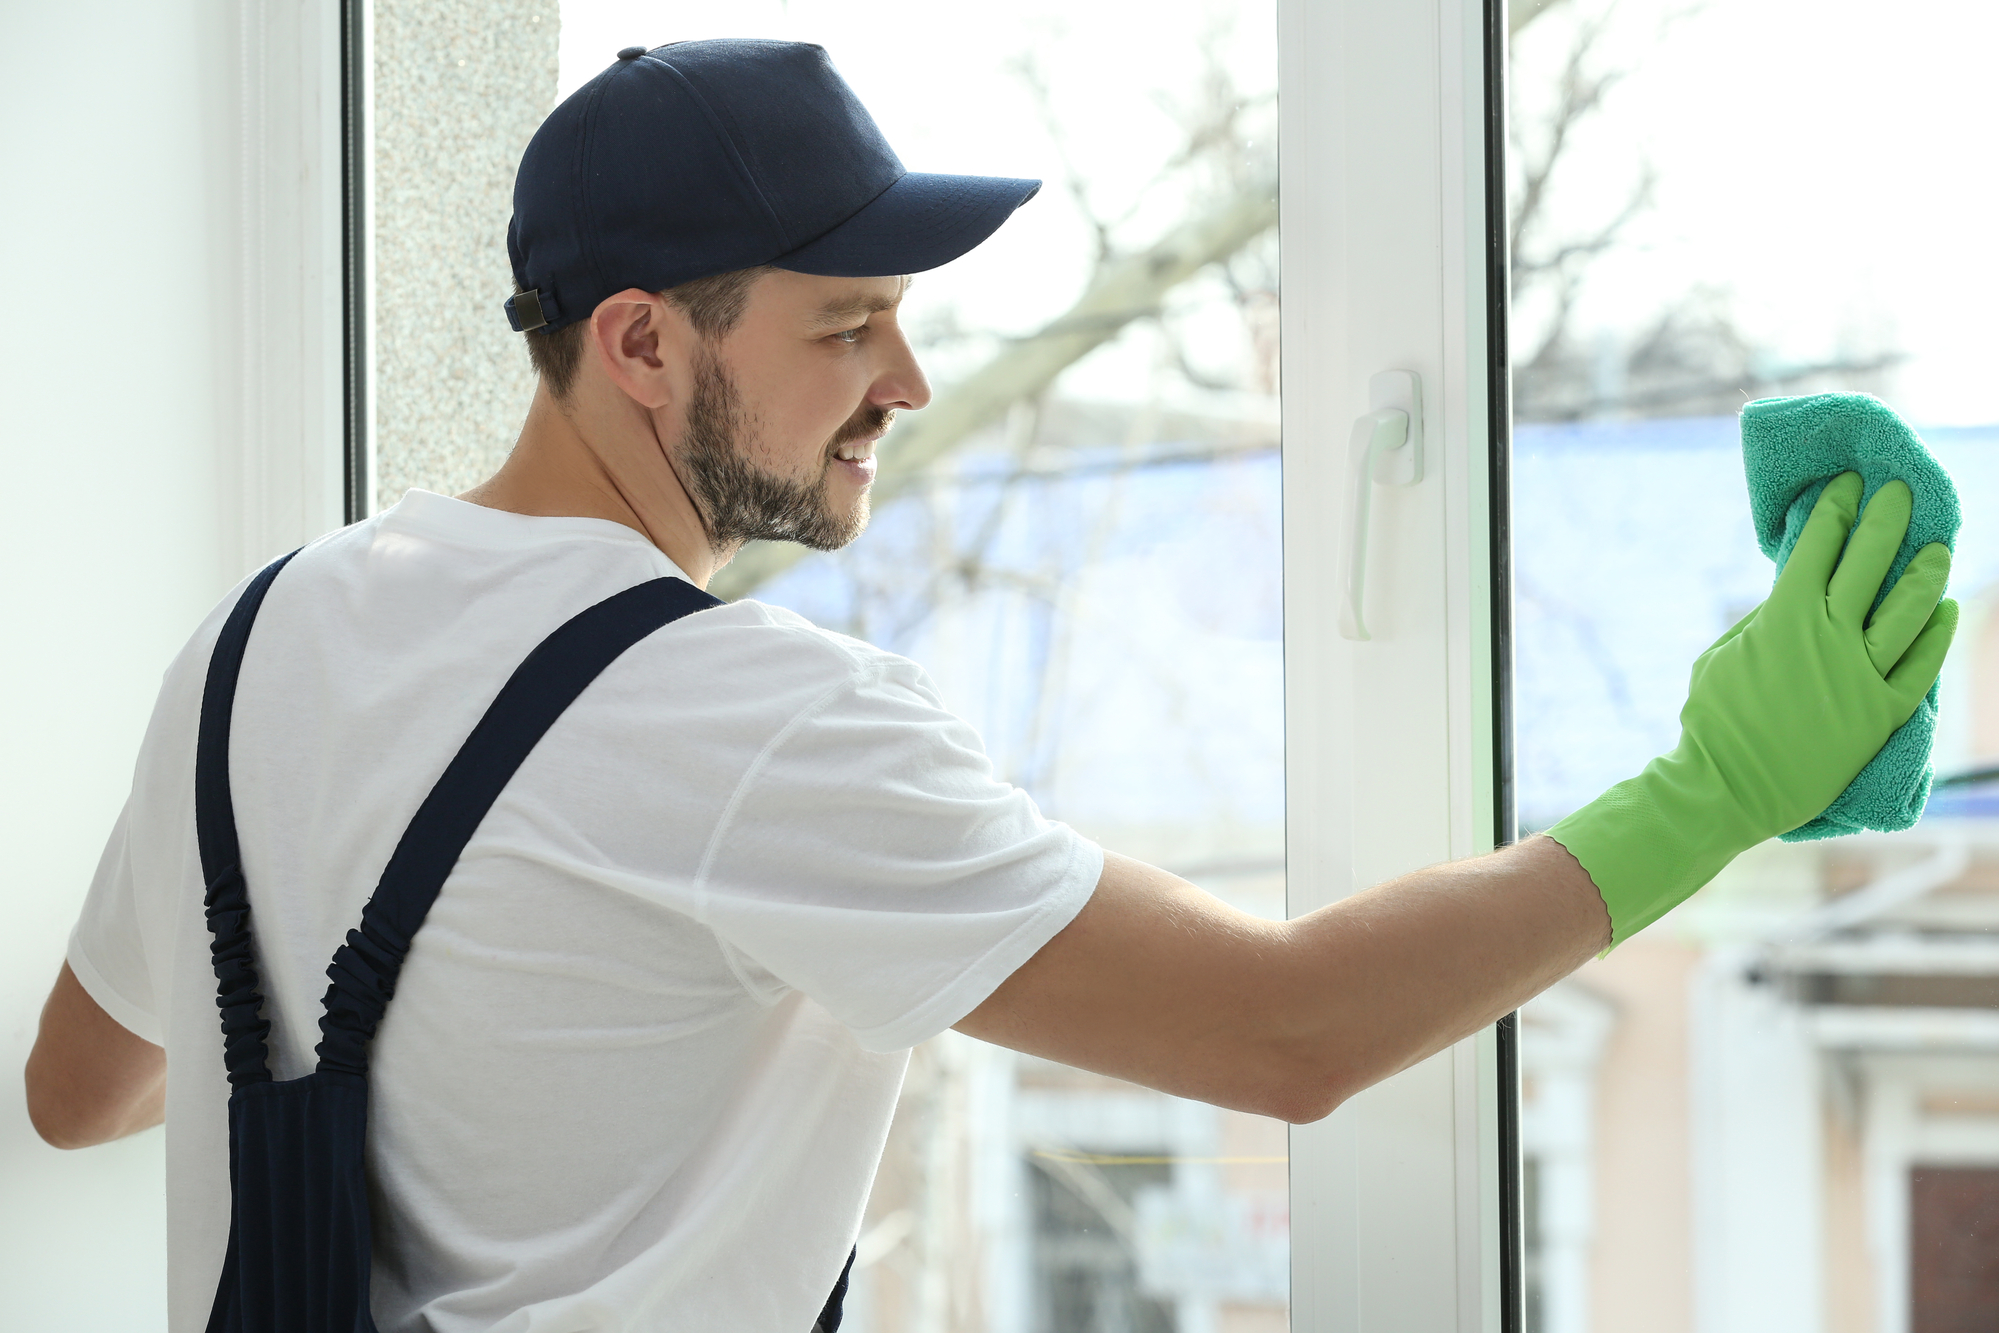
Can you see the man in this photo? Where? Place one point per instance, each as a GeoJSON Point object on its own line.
{"type": "Point", "coordinates": [639, 1066]}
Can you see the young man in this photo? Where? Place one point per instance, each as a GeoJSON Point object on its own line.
{"type": "Point", "coordinates": [639, 1065]}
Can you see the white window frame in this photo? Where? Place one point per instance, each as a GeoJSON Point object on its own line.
{"type": "Point", "coordinates": [290, 477]}
{"type": "Point", "coordinates": [1404, 1202]}
{"type": "Point", "coordinates": [1389, 138]}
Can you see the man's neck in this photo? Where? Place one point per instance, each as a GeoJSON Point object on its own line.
{"type": "Point", "coordinates": [584, 464]}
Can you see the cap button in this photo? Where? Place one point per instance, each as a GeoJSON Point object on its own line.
{"type": "Point", "coordinates": [631, 53]}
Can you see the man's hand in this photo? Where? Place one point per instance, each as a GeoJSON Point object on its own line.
{"type": "Point", "coordinates": [1782, 713]}
{"type": "Point", "coordinates": [89, 1080]}
{"type": "Point", "coordinates": [1159, 983]}
{"type": "Point", "coordinates": [1792, 702]}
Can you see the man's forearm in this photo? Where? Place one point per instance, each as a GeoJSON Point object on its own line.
{"type": "Point", "coordinates": [1402, 970]}
{"type": "Point", "coordinates": [1164, 985]}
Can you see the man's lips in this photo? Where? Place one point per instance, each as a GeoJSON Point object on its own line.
{"type": "Point", "coordinates": [854, 450]}
{"type": "Point", "coordinates": [857, 457]}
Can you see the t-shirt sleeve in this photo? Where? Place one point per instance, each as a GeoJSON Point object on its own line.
{"type": "Point", "coordinates": [106, 951]}
{"type": "Point", "coordinates": [871, 859]}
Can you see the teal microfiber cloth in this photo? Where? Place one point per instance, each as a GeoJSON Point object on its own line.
{"type": "Point", "coordinates": [1791, 447]}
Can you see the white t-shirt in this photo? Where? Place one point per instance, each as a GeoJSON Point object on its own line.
{"type": "Point", "coordinates": [643, 1055]}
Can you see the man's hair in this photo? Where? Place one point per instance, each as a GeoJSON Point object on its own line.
{"type": "Point", "coordinates": [713, 305]}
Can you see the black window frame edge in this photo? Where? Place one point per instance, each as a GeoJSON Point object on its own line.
{"type": "Point", "coordinates": [1499, 497]}
{"type": "Point", "coordinates": [356, 481]}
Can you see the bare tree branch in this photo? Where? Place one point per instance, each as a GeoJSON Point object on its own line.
{"type": "Point", "coordinates": [1027, 68]}
{"type": "Point", "coordinates": [1690, 355]}
{"type": "Point", "coordinates": [1581, 95]}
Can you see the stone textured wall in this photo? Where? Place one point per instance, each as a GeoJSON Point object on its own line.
{"type": "Point", "coordinates": [460, 86]}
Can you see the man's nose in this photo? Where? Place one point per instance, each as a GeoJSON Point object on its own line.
{"type": "Point", "coordinates": [901, 384]}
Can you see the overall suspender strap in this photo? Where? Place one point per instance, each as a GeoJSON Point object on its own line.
{"type": "Point", "coordinates": [365, 968]}
{"type": "Point", "coordinates": [300, 1252]}
{"type": "Point", "coordinates": [227, 898]}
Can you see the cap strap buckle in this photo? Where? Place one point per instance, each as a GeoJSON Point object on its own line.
{"type": "Point", "coordinates": [530, 310]}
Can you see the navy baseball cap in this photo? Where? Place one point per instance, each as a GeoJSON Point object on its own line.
{"type": "Point", "coordinates": [698, 158]}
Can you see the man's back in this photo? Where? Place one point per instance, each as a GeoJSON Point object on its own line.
{"type": "Point", "coordinates": [639, 1064]}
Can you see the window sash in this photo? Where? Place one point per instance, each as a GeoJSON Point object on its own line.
{"type": "Point", "coordinates": [1405, 1203]}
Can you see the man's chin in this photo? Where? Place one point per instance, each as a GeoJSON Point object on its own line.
{"type": "Point", "coordinates": [837, 534]}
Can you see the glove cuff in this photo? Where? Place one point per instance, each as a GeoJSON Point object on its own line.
{"type": "Point", "coordinates": [1649, 842]}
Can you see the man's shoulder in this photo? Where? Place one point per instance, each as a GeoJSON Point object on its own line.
{"type": "Point", "coordinates": [756, 646]}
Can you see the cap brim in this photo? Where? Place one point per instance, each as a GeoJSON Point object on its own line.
{"type": "Point", "coordinates": [918, 223]}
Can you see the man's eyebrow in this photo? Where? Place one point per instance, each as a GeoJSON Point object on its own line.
{"type": "Point", "coordinates": [843, 310]}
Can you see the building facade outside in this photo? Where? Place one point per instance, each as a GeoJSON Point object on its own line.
{"type": "Point", "coordinates": [1778, 1108]}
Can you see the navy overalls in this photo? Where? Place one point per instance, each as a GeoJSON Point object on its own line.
{"type": "Point", "coordinates": [298, 1256]}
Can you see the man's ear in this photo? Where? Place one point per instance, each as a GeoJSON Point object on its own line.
{"type": "Point", "coordinates": [643, 345]}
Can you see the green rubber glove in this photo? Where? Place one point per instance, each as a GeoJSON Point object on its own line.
{"type": "Point", "coordinates": [1783, 711]}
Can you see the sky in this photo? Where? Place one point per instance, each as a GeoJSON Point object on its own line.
{"type": "Point", "coordinates": [1820, 163]}
{"type": "Point", "coordinates": [1824, 168]}
{"type": "Point", "coordinates": [1828, 165]}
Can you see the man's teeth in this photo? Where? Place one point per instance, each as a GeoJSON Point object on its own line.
{"type": "Point", "coordinates": [856, 450]}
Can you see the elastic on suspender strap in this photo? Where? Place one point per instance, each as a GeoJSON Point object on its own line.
{"type": "Point", "coordinates": [227, 898]}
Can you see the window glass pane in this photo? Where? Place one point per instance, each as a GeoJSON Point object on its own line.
{"type": "Point", "coordinates": [1079, 540]}
{"type": "Point", "coordinates": [1756, 1115]}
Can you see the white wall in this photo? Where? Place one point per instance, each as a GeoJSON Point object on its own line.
{"type": "Point", "coordinates": [121, 233]}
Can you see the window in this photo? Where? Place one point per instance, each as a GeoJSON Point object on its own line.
{"type": "Point", "coordinates": [1779, 1107]}
{"type": "Point", "coordinates": [1102, 560]}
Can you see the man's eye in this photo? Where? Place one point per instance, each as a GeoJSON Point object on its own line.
{"type": "Point", "coordinates": [852, 335]}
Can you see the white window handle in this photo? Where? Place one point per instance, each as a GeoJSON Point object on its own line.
{"type": "Point", "coordinates": [1386, 450]}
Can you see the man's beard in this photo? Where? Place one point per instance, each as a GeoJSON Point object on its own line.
{"type": "Point", "coordinates": [740, 501]}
